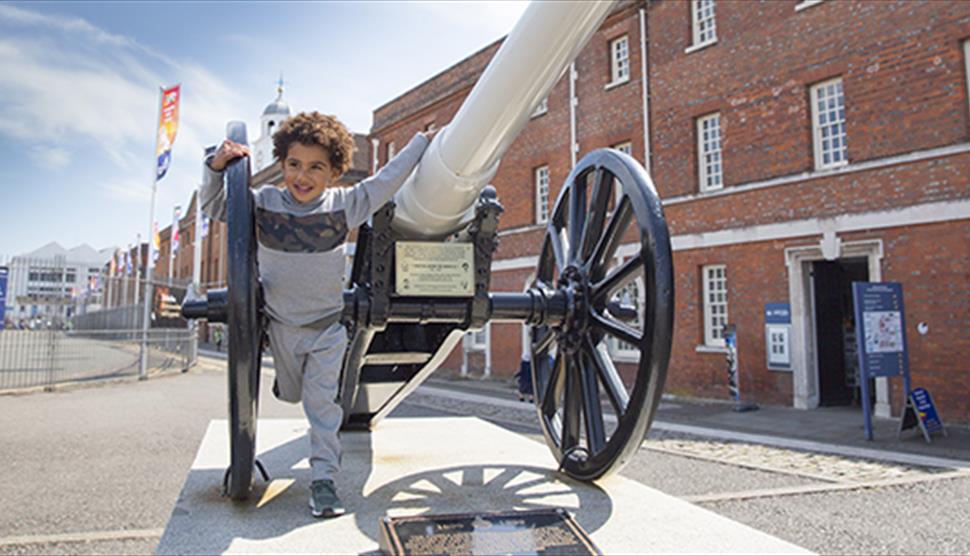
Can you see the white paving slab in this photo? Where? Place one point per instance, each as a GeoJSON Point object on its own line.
{"type": "Point", "coordinates": [435, 465]}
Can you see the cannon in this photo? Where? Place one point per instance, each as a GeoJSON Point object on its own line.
{"type": "Point", "coordinates": [446, 216]}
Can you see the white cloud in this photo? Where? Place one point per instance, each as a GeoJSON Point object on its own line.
{"type": "Point", "coordinates": [126, 192]}
{"type": "Point", "coordinates": [50, 157]}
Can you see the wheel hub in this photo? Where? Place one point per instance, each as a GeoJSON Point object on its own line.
{"type": "Point", "coordinates": [575, 284]}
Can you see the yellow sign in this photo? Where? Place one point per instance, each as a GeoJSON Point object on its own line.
{"type": "Point", "coordinates": [434, 269]}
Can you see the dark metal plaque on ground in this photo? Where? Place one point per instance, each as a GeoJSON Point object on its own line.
{"type": "Point", "coordinates": [551, 531]}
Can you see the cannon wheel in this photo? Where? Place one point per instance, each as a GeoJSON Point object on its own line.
{"type": "Point", "coordinates": [245, 324]}
{"type": "Point", "coordinates": [574, 376]}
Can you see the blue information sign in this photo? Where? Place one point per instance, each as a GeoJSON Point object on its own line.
{"type": "Point", "coordinates": [4, 273]}
{"type": "Point", "coordinates": [777, 336]}
{"type": "Point", "coordinates": [880, 322]}
{"type": "Point", "coordinates": [777, 313]}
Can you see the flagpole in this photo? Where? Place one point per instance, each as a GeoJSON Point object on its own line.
{"type": "Point", "coordinates": [196, 272]}
{"type": "Point", "coordinates": [143, 359]}
{"type": "Point", "coordinates": [137, 279]}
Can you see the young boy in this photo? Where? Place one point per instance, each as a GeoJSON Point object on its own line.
{"type": "Point", "coordinates": [300, 229]}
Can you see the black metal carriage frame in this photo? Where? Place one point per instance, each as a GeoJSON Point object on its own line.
{"type": "Point", "coordinates": [396, 342]}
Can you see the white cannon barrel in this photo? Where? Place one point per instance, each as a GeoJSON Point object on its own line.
{"type": "Point", "coordinates": [465, 155]}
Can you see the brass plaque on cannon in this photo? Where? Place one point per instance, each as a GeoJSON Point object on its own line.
{"type": "Point", "coordinates": [551, 531]}
{"type": "Point", "coordinates": [425, 268]}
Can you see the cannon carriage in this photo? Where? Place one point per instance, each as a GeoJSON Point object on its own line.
{"type": "Point", "coordinates": [445, 218]}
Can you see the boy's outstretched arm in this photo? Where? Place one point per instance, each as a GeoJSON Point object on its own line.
{"type": "Point", "coordinates": [365, 198]}
{"type": "Point", "coordinates": [212, 193]}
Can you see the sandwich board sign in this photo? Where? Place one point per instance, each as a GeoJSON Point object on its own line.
{"type": "Point", "coordinates": [880, 336]}
{"type": "Point", "coordinates": [921, 411]}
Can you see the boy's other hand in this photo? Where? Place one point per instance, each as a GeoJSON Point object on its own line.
{"type": "Point", "coordinates": [430, 133]}
{"type": "Point", "coordinates": [228, 151]}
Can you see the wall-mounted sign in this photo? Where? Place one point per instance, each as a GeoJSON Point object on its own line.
{"type": "Point", "coordinates": [778, 336]}
{"type": "Point", "coordinates": [880, 337]}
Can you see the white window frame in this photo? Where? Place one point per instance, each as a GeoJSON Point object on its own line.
{"type": "Point", "coordinates": [390, 151]}
{"type": "Point", "coordinates": [619, 349]}
{"type": "Point", "coordinates": [966, 62]}
{"type": "Point", "coordinates": [541, 186]}
{"type": "Point", "coordinates": [619, 61]}
{"type": "Point", "coordinates": [804, 4]}
{"type": "Point", "coordinates": [625, 147]}
{"type": "Point", "coordinates": [541, 108]}
{"type": "Point", "coordinates": [714, 277]}
{"type": "Point", "coordinates": [830, 127]}
{"type": "Point", "coordinates": [702, 37]}
{"type": "Point", "coordinates": [710, 159]}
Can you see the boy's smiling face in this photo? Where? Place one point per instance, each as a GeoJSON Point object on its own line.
{"type": "Point", "coordinates": [307, 172]}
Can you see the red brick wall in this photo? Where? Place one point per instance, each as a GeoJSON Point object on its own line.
{"type": "Point", "coordinates": [901, 65]}
{"type": "Point", "coordinates": [905, 87]}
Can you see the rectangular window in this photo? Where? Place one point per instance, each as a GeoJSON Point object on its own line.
{"type": "Point", "coordinates": [620, 60]}
{"type": "Point", "coordinates": [966, 62]}
{"type": "Point", "coordinates": [709, 152]}
{"type": "Point", "coordinates": [702, 19]}
{"type": "Point", "coordinates": [542, 194]}
{"type": "Point", "coordinates": [828, 124]}
{"type": "Point", "coordinates": [541, 108]}
{"type": "Point", "coordinates": [715, 304]}
{"type": "Point", "coordinates": [629, 297]}
{"type": "Point", "coordinates": [390, 151]}
{"type": "Point", "coordinates": [625, 148]}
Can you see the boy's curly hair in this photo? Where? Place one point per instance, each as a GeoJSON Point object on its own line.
{"type": "Point", "coordinates": [314, 128]}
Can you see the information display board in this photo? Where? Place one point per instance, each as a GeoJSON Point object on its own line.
{"type": "Point", "coordinates": [778, 336]}
{"type": "Point", "coordinates": [880, 336]}
{"type": "Point", "coordinates": [434, 269]}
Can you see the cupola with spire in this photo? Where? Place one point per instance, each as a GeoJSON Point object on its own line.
{"type": "Point", "coordinates": [273, 115]}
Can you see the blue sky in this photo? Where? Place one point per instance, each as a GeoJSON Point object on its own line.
{"type": "Point", "coordinates": [79, 91]}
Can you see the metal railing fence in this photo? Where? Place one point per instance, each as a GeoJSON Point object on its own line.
{"type": "Point", "coordinates": [45, 358]}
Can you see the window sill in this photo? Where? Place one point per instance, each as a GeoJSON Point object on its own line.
{"type": "Point", "coordinates": [831, 166]}
{"type": "Point", "coordinates": [704, 348]}
{"type": "Point", "coordinates": [615, 84]}
{"type": "Point", "coordinates": [699, 46]}
{"type": "Point", "coordinates": [805, 4]}
{"type": "Point", "coordinates": [537, 114]}
{"type": "Point", "coordinates": [703, 191]}
{"type": "Point", "coordinates": [626, 357]}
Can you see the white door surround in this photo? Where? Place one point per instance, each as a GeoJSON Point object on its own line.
{"type": "Point", "coordinates": [805, 393]}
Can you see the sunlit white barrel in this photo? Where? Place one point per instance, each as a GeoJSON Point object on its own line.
{"type": "Point", "coordinates": [465, 155]}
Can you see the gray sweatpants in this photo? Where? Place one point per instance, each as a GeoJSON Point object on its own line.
{"type": "Point", "coordinates": [307, 365]}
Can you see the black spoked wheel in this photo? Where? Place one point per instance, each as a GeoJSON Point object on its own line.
{"type": "Point", "coordinates": [599, 375]}
{"type": "Point", "coordinates": [244, 322]}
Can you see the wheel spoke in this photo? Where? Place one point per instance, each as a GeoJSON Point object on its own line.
{"type": "Point", "coordinates": [577, 215]}
{"type": "Point", "coordinates": [618, 330]}
{"type": "Point", "coordinates": [617, 278]}
{"type": "Point", "coordinates": [572, 405]}
{"type": "Point", "coordinates": [609, 376]}
{"type": "Point", "coordinates": [610, 240]}
{"type": "Point", "coordinates": [592, 410]}
{"type": "Point", "coordinates": [558, 250]}
{"type": "Point", "coordinates": [598, 206]}
{"type": "Point", "coordinates": [552, 389]}
{"type": "Point", "coordinates": [544, 338]}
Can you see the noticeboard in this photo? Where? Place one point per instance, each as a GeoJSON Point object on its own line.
{"type": "Point", "coordinates": [880, 321]}
{"type": "Point", "coordinates": [778, 336]}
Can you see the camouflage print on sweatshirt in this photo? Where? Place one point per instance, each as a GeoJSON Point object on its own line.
{"type": "Point", "coordinates": [313, 233]}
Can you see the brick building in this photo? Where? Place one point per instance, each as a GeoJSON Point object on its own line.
{"type": "Point", "coordinates": [798, 145]}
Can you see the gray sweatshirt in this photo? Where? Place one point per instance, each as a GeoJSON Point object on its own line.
{"type": "Point", "coordinates": [300, 246]}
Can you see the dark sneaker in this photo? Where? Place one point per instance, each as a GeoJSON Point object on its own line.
{"type": "Point", "coordinates": [324, 501]}
{"type": "Point", "coordinates": [276, 389]}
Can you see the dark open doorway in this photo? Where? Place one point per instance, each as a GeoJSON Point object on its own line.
{"type": "Point", "coordinates": [835, 329]}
